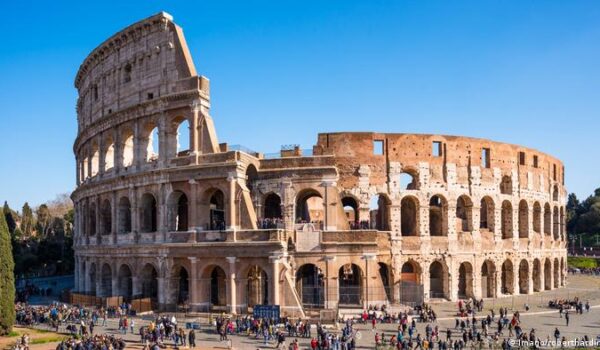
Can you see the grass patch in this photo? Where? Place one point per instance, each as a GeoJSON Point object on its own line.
{"type": "Point", "coordinates": [582, 262]}
{"type": "Point", "coordinates": [47, 340]}
{"type": "Point", "coordinates": [13, 334]}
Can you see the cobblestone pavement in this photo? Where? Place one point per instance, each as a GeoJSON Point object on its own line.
{"type": "Point", "coordinates": [540, 317]}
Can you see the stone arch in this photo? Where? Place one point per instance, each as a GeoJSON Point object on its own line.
{"type": "Point", "coordinates": [411, 271]}
{"type": "Point", "coordinates": [92, 219]}
{"type": "Point", "coordinates": [180, 285]}
{"type": "Point", "coordinates": [523, 277]}
{"type": "Point", "coordinates": [350, 280]}
{"type": "Point", "coordinates": [507, 220]}
{"type": "Point", "coordinates": [506, 186]}
{"type": "Point", "coordinates": [272, 206]}
{"type": "Point", "coordinates": [409, 179]}
{"type": "Point", "coordinates": [216, 209]}
{"type": "Point", "coordinates": [109, 154]}
{"type": "Point", "coordinates": [488, 279]}
{"type": "Point", "coordinates": [465, 280]}
{"type": "Point", "coordinates": [179, 138]}
{"type": "Point", "coordinates": [556, 273]}
{"type": "Point", "coordinates": [555, 193]}
{"type": "Point", "coordinates": [523, 219]}
{"type": "Point", "coordinates": [547, 274]}
{"type": "Point", "coordinates": [487, 214]}
{"type": "Point", "coordinates": [537, 276]}
{"type": "Point", "coordinates": [537, 217]}
{"type": "Point", "coordinates": [106, 281]}
{"type": "Point", "coordinates": [310, 286]}
{"type": "Point", "coordinates": [350, 206]}
{"type": "Point", "coordinates": [438, 280]}
{"type": "Point", "coordinates": [251, 177]}
{"type": "Point", "coordinates": [91, 287]}
{"type": "Point", "coordinates": [149, 282]}
{"type": "Point", "coordinates": [95, 159]}
{"type": "Point", "coordinates": [217, 283]}
{"type": "Point", "coordinates": [507, 277]}
{"type": "Point", "coordinates": [464, 214]}
{"type": "Point", "coordinates": [409, 215]}
{"type": "Point", "coordinates": [124, 215]}
{"type": "Point", "coordinates": [257, 291]}
{"type": "Point", "coordinates": [177, 211]}
{"type": "Point", "coordinates": [387, 279]}
{"type": "Point", "coordinates": [309, 206]}
{"type": "Point", "coordinates": [438, 216]}
{"type": "Point", "coordinates": [380, 212]}
{"type": "Point", "coordinates": [125, 283]}
{"type": "Point", "coordinates": [127, 153]}
{"type": "Point", "coordinates": [148, 213]}
{"type": "Point", "coordinates": [547, 220]}
{"type": "Point", "coordinates": [555, 224]}
{"type": "Point", "coordinates": [151, 141]}
{"type": "Point", "coordinates": [105, 217]}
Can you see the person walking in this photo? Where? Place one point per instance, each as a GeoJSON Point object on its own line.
{"type": "Point", "coordinates": [192, 338]}
{"type": "Point", "coordinates": [567, 317]}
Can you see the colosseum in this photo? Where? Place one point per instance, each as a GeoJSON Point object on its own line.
{"type": "Point", "coordinates": [165, 211]}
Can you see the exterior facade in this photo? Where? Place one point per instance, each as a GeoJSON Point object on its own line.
{"type": "Point", "coordinates": [164, 211]}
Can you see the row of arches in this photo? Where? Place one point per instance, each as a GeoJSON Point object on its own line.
{"type": "Point", "coordinates": [125, 148]}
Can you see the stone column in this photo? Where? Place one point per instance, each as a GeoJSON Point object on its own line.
{"type": "Point", "coordinates": [287, 204]}
{"type": "Point", "coordinates": [162, 220]}
{"type": "Point", "coordinates": [331, 283]}
{"type": "Point", "coordinates": [530, 277]}
{"type": "Point", "coordinates": [76, 274]}
{"type": "Point", "coordinates": [275, 280]}
{"type": "Point", "coordinates": [114, 216]}
{"type": "Point", "coordinates": [101, 155]}
{"type": "Point", "coordinates": [162, 140]}
{"type": "Point", "coordinates": [137, 146]}
{"type": "Point", "coordinates": [368, 293]}
{"type": "Point", "coordinates": [98, 220]}
{"type": "Point", "coordinates": [477, 292]}
{"type": "Point", "coordinates": [498, 279]}
{"type": "Point", "coordinates": [330, 210]}
{"type": "Point", "coordinates": [426, 281]}
{"type": "Point", "coordinates": [118, 161]}
{"type": "Point", "coordinates": [135, 210]}
{"type": "Point", "coordinates": [162, 291]}
{"type": "Point", "coordinates": [395, 217]}
{"type": "Point", "coordinates": [195, 107]}
{"type": "Point", "coordinates": [193, 284]}
{"type": "Point", "coordinates": [453, 275]}
{"type": "Point", "coordinates": [516, 279]}
{"type": "Point", "coordinates": [136, 291]}
{"type": "Point", "coordinates": [193, 224]}
{"type": "Point", "coordinates": [231, 281]}
{"type": "Point", "coordinates": [231, 218]}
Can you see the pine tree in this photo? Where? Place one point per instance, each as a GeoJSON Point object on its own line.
{"type": "Point", "coordinates": [10, 219]}
{"type": "Point", "coordinates": [7, 280]}
{"type": "Point", "coordinates": [27, 220]}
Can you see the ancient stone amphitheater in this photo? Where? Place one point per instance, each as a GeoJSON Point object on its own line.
{"type": "Point", "coordinates": [166, 212]}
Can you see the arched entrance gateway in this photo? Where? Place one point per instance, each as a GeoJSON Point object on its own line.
{"type": "Point", "coordinates": [537, 276]}
{"type": "Point", "coordinates": [523, 277]}
{"type": "Point", "coordinates": [125, 282]}
{"type": "Point", "coordinates": [257, 289]}
{"type": "Point", "coordinates": [438, 281]}
{"type": "Point", "coordinates": [180, 283]}
{"type": "Point", "coordinates": [488, 279]}
{"type": "Point", "coordinates": [218, 291]}
{"type": "Point", "coordinates": [149, 281]}
{"type": "Point", "coordinates": [547, 275]}
{"type": "Point", "coordinates": [350, 285]}
{"type": "Point", "coordinates": [465, 281]}
{"type": "Point", "coordinates": [507, 277]}
{"type": "Point", "coordinates": [310, 286]}
{"type": "Point", "coordinates": [411, 288]}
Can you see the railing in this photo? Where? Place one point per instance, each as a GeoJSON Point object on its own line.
{"type": "Point", "coordinates": [350, 237]}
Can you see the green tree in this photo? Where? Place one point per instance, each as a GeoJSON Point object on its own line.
{"type": "Point", "coordinates": [9, 215]}
{"type": "Point", "coordinates": [43, 219]}
{"type": "Point", "coordinates": [27, 220]}
{"type": "Point", "coordinates": [7, 280]}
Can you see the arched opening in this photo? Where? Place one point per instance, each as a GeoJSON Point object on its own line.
{"type": "Point", "coordinates": [109, 154]}
{"type": "Point", "coordinates": [258, 286]}
{"type": "Point", "coordinates": [537, 275]}
{"type": "Point", "coordinates": [507, 277]}
{"type": "Point", "coordinates": [127, 154]}
{"type": "Point", "coordinates": [309, 207]}
{"type": "Point", "coordinates": [217, 211]}
{"type": "Point", "coordinates": [350, 285]}
{"type": "Point", "coordinates": [251, 177]}
{"type": "Point", "coordinates": [124, 215]}
{"type": "Point", "coordinates": [177, 211]}
{"type": "Point", "coordinates": [410, 272]}
{"type": "Point", "coordinates": [523, 277]}
{"type": "Point", "coordinates": [385, 273]}
{"type": "Point", "coordinates": [310, 286]}
{"type": "Point", "coordinates": [537, 217]}
{"type": "Point", "coordinates": [95, 160]}
{"type": "Point", "coordinates": [180, 280]}
{"type": "Point", "coordinates": [409, 180]}
{"type": "Point", "coordinates": [351, 212]}
{"type": "Point", "coordinates": [562, 272]}
{"type": "Point", "coordinates": [218, 290]}
{"type": "Point", "coordinates": [556, 273]}
{"type": "Point", "coordinates": [149, 281]}
{"type": "Point", "coordinates": [547, 275]}
{"type": "Point", "coordinates": [409, 215]}
{"type": "Point", "coordinates": [438, 214]}
{"type": "Point", "coordinates": [84, 168]}
{"type": "Point", "coordinates": [106, 281]}
{"type": "Point", "coordinates": [438, 280]}
{"type": "Point", "coordinates": [411, 289]}
{"type": "Point", "coordinates": [523, 219]}
{"type": "Point", "coordinates": [555, 224]}
{"type": "Point", "coordinates": [151, 137]}
{"type": "Point", "coordinates": [465, 281]}
{"type": "Point", "coordinates": [380, 212]}
{"type": "Point", "coordinates": [272, 207]}
{"type": "Point", "coordinates": [92, 219]}
{"type": "Point", "coordinates": [148, 213]}
{"type": "Point", "coordinates": [547, 220]}
{"type": "Point", "coordinates": [486, 214]}
{"type": "Point", "coordinates": [488, 279]}
{"type": "Point", "coordinates": [125, 282]}
{"type": "Point", "coordinates": [507, 220]}
{"type": "Point", "coordinates": [91, 287]}
{"type": "Point", "coordinates": [506, 186]}
{"type": "Point", "coordinates": [464, 214]}
{"type": "Point", "coordinates": [182, 137]}
{"type": "Point", "coordinates": [106, 217]}
{"type": "Point", "coordinates": [555, 193]}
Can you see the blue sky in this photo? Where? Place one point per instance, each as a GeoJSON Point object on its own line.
{"type": "Point", "coordinates": [523, 72]}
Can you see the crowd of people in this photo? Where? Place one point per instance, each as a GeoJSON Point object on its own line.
{"type": "Point", "coordinates": [270, 223]}
{"type": "Point", "coordinates": [593, 271]}
{"type": "Point", "coordinates": [92, 342]}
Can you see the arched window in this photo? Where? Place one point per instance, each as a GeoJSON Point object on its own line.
{"type": "Point", "coordinates": [438, 216]}
{"type": "Point", "coordinates": [84, 168]}
{"type": "Point", "coordinates": [555, 193]}
{"type": "Point", "coordinates": [148, 213]}
{"type": "Point", "coordinates": [183, 138]}
{"type": "Point", "coordinates": [92, 219]}
{"type": "Point", "coordinates": [464, 214]}
{"type": "Point", "coordinates": [409, 180]}
{"type": "Point", "coordinates": [178, 211]}
{"type": "Point", "coordinates": [351, 212]}
{"type": "Point", "coordinates": [95, 160]}
{"type": "Point", "coordinates": [152, 142]}
{"type": "Point", "coordinates": [106, 217]}
{"type": "Point", "coordinates": [507, 220]}
{"type": "Point", "coordinates": [547, 220]}
{"type": "Point", "coordinates": [217, 211]}
{"type": "Point", "coordinates": [309, 207]}
{"type": "Point", "coordinates": [127, 157]}
{"type": "Point", "coordinates": [523, 219]}
{"type": "Point", "coordinates": [555, 224]}
{"type": "Point", "coordinates": [409, 212]}
{"type": "Point", "coordinates": [506, 185]}
{"type": "Point", "coordinates": [124, 215]}
{"type": "Point", "coordinates": [251, 177]}
{"type": "Point", "coordinates": [272, 206]}
{"type": "Point", "coordinates": [109, 154]}
{"type": "Point", "coordinates": [537, 217]}
{"type": "Point", "coordinates": [127, 73]}
{"type": "Point", "coordinates": [380, 212]}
